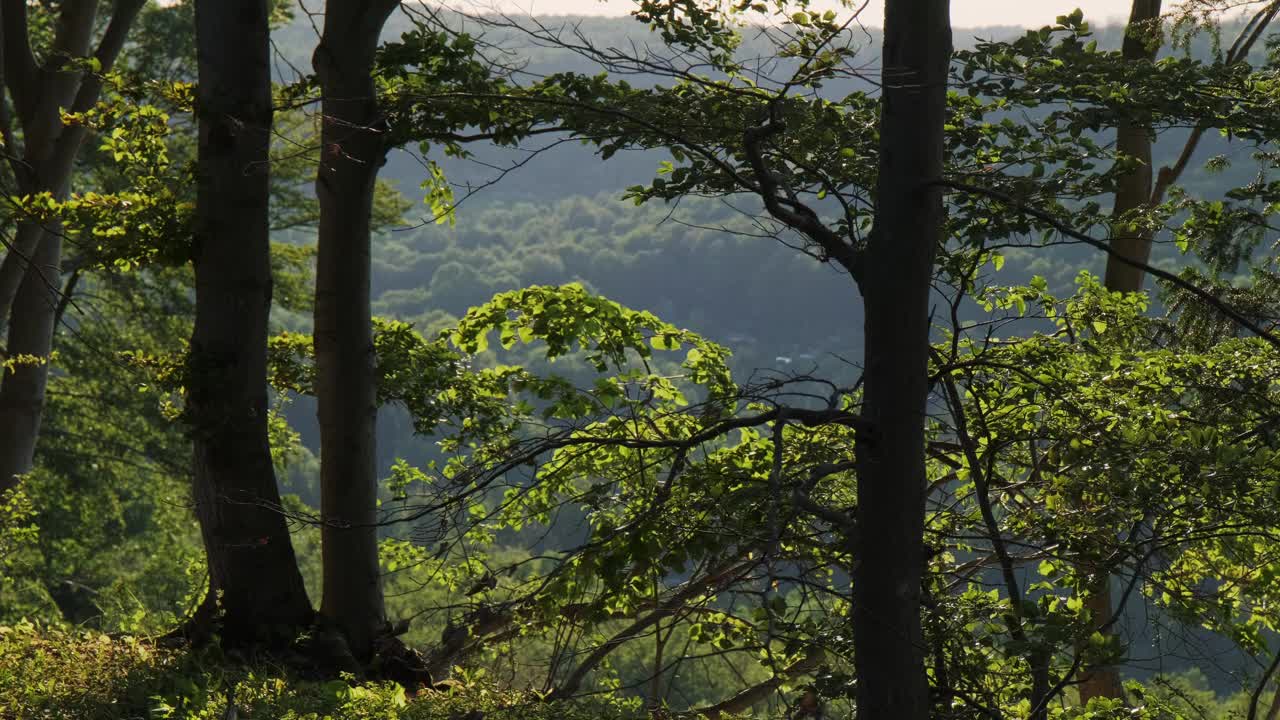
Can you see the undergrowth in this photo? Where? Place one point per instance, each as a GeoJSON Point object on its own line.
{"type": "Point", "coordinates": [82, 675]}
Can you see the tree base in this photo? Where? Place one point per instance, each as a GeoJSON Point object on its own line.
{"type": "Point", "coordinates": [319, 651]}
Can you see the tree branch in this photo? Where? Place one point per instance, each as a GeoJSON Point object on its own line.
{"type": "Point", "coordinates": [743, 701]}
{"type": "Point", "coordinates": [91, 86]}
{"type": "Point", "coordinates": [802, 500]}
{"type": "Point", "coordinates": [802, 218]}
{"type": "Point", "coordinates": [1044, 217]}
{"type": "Point", "coordinates": [1239, 51]}
{"type": "Point", "coordinates": [574, 681]}
{"type": "Point", "coordinates": [20, 72]}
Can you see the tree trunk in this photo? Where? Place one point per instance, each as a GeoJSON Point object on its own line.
{"type": "Point", "coordinates": [29, 273]}
{"type": "Point", "coordinates": [1133, 138]}
{"type": "Point", "coordinates": [40, 94]}
{"type": "Point", "coordinates": [354, 148]}
{"type": "Point", "coordinates": [888, 641]}
{"type": "Point", "coordinates": [22, 392]}
{"type": "Point", "coordinates": [251, 560]}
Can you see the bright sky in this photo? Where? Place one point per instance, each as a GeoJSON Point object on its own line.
{"type": "Point", "coordinates": [964, 13]}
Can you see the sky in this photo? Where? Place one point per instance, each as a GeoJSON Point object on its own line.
{"type": "Point", "coordinates": [964, 13]}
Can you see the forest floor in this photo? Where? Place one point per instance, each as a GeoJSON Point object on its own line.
{"type": "Point", "coordinates": [82, 675]}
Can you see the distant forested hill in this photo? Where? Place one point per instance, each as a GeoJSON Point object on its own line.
{"type": "Point", "coordinates": [555, 215]}
{"type": "Point", "coordinates": [558, 218]}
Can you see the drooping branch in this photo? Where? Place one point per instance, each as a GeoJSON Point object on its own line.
{"type": "Point", "coordinates": [458, 640]}
{"type": "Point", "coordinates": [489, 624]}
{"type": "Point", "coordinates": [1061, 227]}
{"type": "Point", "coordinates": [1037, 658]}
{"type": "Point", "coordinates": [800, 496]}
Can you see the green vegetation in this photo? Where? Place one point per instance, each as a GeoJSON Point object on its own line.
{"type": "Point", "coordinates": [55, 673]}
{"type": "Point", "coordinates": [693, 365]}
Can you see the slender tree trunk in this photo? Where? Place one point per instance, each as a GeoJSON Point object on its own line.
{"type": "Point", "coordinates": [1133, 138]}
{"type": "Point", "coordinates": [354, 148]}
{"type": "Point", "coordinates": [29, 272]}
{"type": "Point", "coordinates": [1273, 711]}
{"type": "Point", "coordinates": [888, 641]}
{"type": "Point", "coordinates": [22, 392]}
{"type": "Point", "coordinates": [251, 559]}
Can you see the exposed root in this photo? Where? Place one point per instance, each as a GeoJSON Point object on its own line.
{"type": "Point", "coordinates": [396, 661]}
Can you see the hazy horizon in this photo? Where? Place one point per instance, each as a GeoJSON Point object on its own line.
{"type": "Point", "coordinates": [964, 13]}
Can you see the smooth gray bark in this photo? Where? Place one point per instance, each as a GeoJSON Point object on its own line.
{"type": "Point", "coordinates": [22, 394]}
{"type": "Point", "coordinates": [1133, 139]}
{"type": "Point", "coordinates": [888, 639]}
{"type": "Point", "coordinates": [252, 567]}
{"type": "Point", "coordinates": [29, 272]}
{"type": "Point", "coordinates": [354, 148]}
